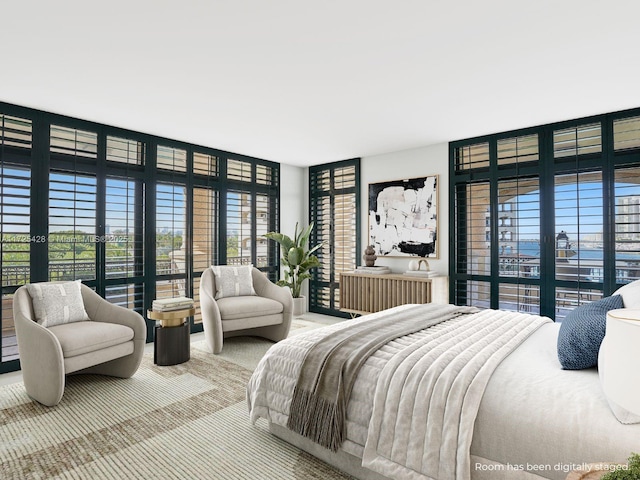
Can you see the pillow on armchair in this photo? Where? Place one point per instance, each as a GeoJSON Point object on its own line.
{"type": "Point", "coordinates": [232, 281]}
{"type": "Point", "coordinates": [57, 303]}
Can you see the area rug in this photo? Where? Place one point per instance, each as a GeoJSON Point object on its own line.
{"type": "Point", "coordinates": [186, 421]}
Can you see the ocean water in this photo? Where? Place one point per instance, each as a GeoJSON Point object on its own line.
{"type": "Point", "coordinates": [533, 249]}
{"type": "Point", "coordinates": [529, 248]}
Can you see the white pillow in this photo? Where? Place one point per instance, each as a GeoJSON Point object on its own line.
{"type": "Point", "coordinates": [630, 294]}
{"type": "Point", "coordinates": [57, 303]}
{"type": "Point", "coordinates": [232, 281]}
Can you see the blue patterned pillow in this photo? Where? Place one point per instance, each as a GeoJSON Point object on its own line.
{"type": "Point", "coordinates": [582, 332]}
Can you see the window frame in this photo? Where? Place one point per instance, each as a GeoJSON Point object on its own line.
{"type": "Point", "coordinates": [547, 168]}
{"type": "Point", "coordinates": [141, 167]}
{"type": "Point", "coordinates": [315, 284]}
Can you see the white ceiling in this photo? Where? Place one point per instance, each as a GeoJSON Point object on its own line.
{"type": "Point", "coordinates": [305, 82]}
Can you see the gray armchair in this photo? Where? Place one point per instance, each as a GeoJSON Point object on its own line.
{"type": "Point", "coordinates": [267, 314]}
{"type": "Point", "coordinates": [111, 343]}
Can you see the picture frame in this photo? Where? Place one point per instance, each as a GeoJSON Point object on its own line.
{"type": "Point", "coordinates": [403, 217]}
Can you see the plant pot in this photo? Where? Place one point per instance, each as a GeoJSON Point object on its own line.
{"type": "Point", "coordinates": [299, 306]}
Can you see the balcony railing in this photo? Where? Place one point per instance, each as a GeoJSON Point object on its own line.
{"type": "Point", "coordinates": [13, 275]}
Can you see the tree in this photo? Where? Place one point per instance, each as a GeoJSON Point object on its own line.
{"type": "Point", "coordinates": [232, 247]}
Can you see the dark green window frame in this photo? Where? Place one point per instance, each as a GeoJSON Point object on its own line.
{"type": "Point", "coordinates": [328, 189]}
{"type": "Point", "coordinates": [572, 169]}
{"type": "Point", "coordinates": [109, 154]}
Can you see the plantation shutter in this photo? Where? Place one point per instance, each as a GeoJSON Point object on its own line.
{"type": "Point", "coordinates": [73, 142]}
{"type": "Point", "coordinates": [15, 202]}
{"type": "Point", "coordinates": [205, 235]}
{"type": "Point", "coordinates": [334, 208]}
{"type": "Point", "coordinates": [171, 216]}
{"type": "Point", "coordinates": [174, 159]}
{"type": "Point", "coordinates": [124, 243]}
{"type": "Point", "coordinates": [124, 150]}
{"type": "Point", "coordinates": [15, 247]}
{"type": "Point", "coordinates": [72, 226]}
{"type": "Point", "coordinates": [239, 228]}
{"type": "Point", "coordinates": [627, 224]}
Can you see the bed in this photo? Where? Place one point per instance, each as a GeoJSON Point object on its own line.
{"type": "Point", "coordinates": [525, 418]}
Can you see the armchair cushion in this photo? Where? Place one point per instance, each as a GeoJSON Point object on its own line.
{"type": "Point", "coordinates": [87, 337]}
{"type": "Point", "coordinates": [233, 281]}
{"type": "Point", "coordinates": [57, 303]}
{"type": "Point", "coordinates": [233, 308]}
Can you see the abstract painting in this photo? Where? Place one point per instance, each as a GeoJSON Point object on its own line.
{"type": "Point", "coordinates": [403, 217]}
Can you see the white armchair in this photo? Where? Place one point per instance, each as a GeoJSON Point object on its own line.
{"type": "Point", "coordinates": [267, 314]}
{"type": "Point", "coordinates": [110, 343]}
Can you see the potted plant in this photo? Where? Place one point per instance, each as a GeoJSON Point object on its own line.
{"type": "Point", "coordinates": [297, 260]}
{"type": "Point", "coordinates": [631, 471]}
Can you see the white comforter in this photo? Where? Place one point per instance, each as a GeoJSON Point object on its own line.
{"type": "Point", "coordinates": [419, 394]}
{"type": "Point", "coordinates": [427, 396]}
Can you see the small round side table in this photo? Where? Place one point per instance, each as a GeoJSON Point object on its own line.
{"type": "Point", "coordinates": [171, 344]}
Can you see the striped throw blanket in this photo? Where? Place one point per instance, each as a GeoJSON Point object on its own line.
{"type": "Point", "coordinates": [330, 367]}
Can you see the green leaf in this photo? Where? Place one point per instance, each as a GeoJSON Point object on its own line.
{"type": "Point", "coordinates": [295, 256]}
{"type": "Point", "coordinates": [295, 235]}
{"type": "Point", "coordinates": [304, 276]}
{"type": "Point", "coordinates": [304, 236]}
{"type": "Point", "coordinates": [315, 248]}
{"type": "Point", "coordinates": [282, 239]}
{"type": "Point", "coordinates": [310, 263]}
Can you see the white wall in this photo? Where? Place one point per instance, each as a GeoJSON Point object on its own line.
{"type": "Point", "coordinates": [294, 198]}
{"type": "Point", "coordinates": [419, 162]}
{"type": "Point", "coordinates": [294, 203]}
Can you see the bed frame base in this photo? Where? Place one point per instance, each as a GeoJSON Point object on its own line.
{"type": "Point", "coordinates": [341, 460]}
{"type": "Point", "coordinates": [352, 465]}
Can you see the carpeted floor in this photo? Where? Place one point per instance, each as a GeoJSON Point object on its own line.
{"type": "Point", "coordinates": [186, 421]}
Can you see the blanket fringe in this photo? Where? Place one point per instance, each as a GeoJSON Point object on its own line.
{"type": "Point", "coordinates": [317, 418]}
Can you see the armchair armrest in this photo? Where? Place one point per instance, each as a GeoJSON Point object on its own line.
{"type": "Point", "coordinates": [41, 358]}
{"type": "Point", "coordinates": [211, 319]}
{"type": "Point", "coordinates": [266, 288]}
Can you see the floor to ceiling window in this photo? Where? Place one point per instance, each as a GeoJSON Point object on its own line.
{"type": "Point", "coordinates": [133, 216]}
{"type": "Point", "coordinates": [546, 218]}
{"type": "Point", "coordinates": [334, 196]}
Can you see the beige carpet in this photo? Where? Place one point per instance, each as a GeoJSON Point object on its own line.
{"type": "Point", "coordinates": [187, 421]}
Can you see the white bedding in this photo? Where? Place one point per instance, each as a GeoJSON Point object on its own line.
{"type": "Point", "coordinates": [534, 413]}
{"type": "Point", "coordinates": [533, 416]}
{"type": "Point", "coordinates": [427, 397]}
